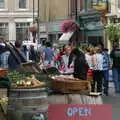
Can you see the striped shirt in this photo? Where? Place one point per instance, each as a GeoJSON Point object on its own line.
{"type": "Point", "coordinates": [106, 61]}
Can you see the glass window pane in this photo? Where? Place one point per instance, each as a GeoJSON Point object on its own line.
{"type": "Point", "coordinates": [4, 30]}
{"type": "Point", "coordinates": [23, 4]}
{"type": "Point", "coordinates": [1, 4]}
{"type": "Point", "coordinates": [118, 3]}
{"type": "Point", "coordinates": [22, 31]}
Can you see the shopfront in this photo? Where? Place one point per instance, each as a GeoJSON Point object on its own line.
{"type": "Point", "coordinates": [54, 32]}
{"type": "Point", "coordinates": [91, 28]}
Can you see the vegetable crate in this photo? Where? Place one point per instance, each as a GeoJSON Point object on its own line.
{"type": "Point", "coordinates": [3, 72]}
{"type": "Point", "coordinates": [72, 86]}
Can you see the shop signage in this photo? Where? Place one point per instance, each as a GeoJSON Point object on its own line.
{"type": "Point", "coordinates": [54, 27]}
{"type": "Point", "coordinates": [79, 112]}
{"type": "Point", "coordinates": [93, 25]}
{"type": "Point", "coordinates": [100, 4]}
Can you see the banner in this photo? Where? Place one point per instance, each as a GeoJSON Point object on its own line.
{"type": "Point", "coordinates": [99, 4]}
{"type": "Point", "coordinates": [79, 112]}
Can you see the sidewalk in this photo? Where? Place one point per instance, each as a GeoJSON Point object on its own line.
{"type": "Point", "coordinates": [114, 100]}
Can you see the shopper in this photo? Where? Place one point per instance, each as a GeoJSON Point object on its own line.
{"type": "Point", "coordinates": [115, 55]}
{"type": "Point", "coordinates": [32, 53]}
{"type": "Point", "coordinates": [106, 67]}
{"type": "Point", "coordinates": [48, 55]}
{"type": "Point", "coordinates": [97, 67]}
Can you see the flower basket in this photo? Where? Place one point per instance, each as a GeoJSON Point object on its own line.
{"type": "Point", "coordinates": [33, 29]}
{"type": "Point", "coordinates": [69, 26]}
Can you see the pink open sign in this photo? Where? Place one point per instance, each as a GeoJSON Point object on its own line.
{"type": "Point", "coordinates": [79, 112]}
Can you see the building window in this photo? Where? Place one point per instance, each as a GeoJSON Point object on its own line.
{"type": "Point", "coordinates": [119, 4]}
{"type": "Point", "coordinates": [22, 31]}
{"type": "Point", "coordinates": [81, 5]}
{"type": "Point", "coordinates": [52, 37]}
{"type": "Point", "coordinates": [4, 30]}
{"type": "Point", "coordinates": [87, 5]}
{"type": "Point", "coordinates": [23, 4]}
{"type": "Point", "coordinates": [2, 4]}
{"type": "Point", "coordinates": [72, 7]}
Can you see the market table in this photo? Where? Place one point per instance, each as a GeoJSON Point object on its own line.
{"type": "Point", "coordinates": [72, 91]}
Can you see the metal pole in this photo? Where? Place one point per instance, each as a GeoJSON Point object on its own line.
{"type": "Point", "coordinates": [76, 10]}
{"type": "Point", "coordinates": [33, 11]}
{"type": "Point", "coordinates": [38, 20]}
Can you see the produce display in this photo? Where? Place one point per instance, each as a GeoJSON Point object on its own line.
{"type": "Point", "coordinates": [64, 77]}
{"type": "Point", "coordinates": [21, 81]}
{"type": "Point", "coordinates": [3, 100]}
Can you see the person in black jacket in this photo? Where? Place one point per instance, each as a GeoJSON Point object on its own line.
{"type": "Point", "coordinates": [80, 64]}
{"type": "Point", "coordinates": [115, 55]}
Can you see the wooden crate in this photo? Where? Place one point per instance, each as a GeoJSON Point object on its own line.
{"type": "Point", "coordinates": [2, 115]}
{"type": "Point", "coordinates": [3, 72]}
{"type": "Point", "coordinates": [72, 86]}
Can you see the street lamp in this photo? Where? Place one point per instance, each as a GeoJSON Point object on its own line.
{"type": "Point", "coordinates": [38, 19]}
{"type": "Point", "coordinates": [33, 11]}
{"type": "Point", "coordinates": [76, 15]}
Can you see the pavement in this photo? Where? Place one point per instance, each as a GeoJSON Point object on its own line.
{"type": "Point", "coordinates": [114, 100]}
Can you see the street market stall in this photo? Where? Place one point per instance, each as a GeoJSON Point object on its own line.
{"type": "Point", "coordinates": [30, 94]}
{"type": "Point", "coordinates": [4, 86]}
{"type": "Point", "coordinates": [68, 89]}
{"type": "Point", "coordinates": [27, 98]}
{"type": "Point", "coordinates": [27, 95]}
{"type": "Point", "coordinates": [72, 91]}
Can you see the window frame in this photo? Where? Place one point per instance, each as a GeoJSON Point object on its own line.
{"type": "Point", "coordinates": [22, 9]}
{"type": "Point", "coordinates": [5, 26]}
{"type": "Point", "coordinates": [21, 26]}
{"type": "Point", "coordinates": [118, 4]}
{"type": "Point", "coordinates": [5, 6]}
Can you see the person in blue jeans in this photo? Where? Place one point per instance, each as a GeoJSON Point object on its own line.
{"type": "Point", "coordinates": [48, 54]}
{"type": "Point", "coordinates": [115, 56]}
{"type": "Point", "coordinates": [106, 66]}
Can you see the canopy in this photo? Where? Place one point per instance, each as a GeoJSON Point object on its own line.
{"type": "Point", "coordinates": [65, 37]}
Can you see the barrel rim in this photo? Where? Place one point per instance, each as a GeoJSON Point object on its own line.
{"type": "Point", "coordinates": [32, 89]}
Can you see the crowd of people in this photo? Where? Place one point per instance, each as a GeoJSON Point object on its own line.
{"type": "Point", "coordinates": [70, 60]}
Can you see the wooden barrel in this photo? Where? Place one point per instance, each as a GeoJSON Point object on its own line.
{"type": "Point", "coordinates": [74, 99]}
{"type": "Point", "coordinates": [27, 104]}
{"type": "Point", "coordinates": [2, 115]}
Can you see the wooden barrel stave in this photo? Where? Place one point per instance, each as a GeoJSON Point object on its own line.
{"type": "Point", "coordinates": [57, 99]}
{"type": "Point", "coordinates": [19, 93]}
{"type": "Point", "coordinates": [74, 99]}
{"type": "Point", "coordinates": [23, 104]}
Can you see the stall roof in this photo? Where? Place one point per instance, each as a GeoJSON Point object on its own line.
{"type": "Point", "coordinates": [65, 37]}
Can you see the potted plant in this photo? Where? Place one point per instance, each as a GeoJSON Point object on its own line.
{"type": "Point", "coordinates": [113, 32]}
{"type": "Point", "coordinates": [33, 29]}
{"type": "Point", "coordinates": [71, 26]}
